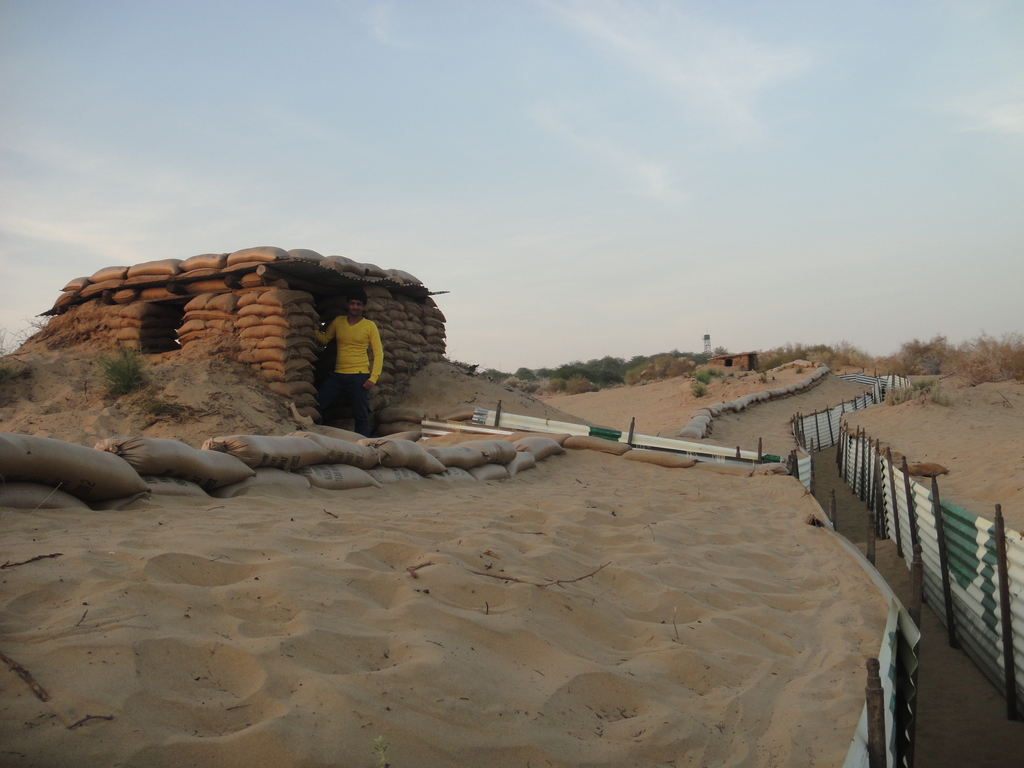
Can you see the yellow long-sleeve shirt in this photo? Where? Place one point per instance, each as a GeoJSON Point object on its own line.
{"type": "Point", "coordinates": [353, 342]}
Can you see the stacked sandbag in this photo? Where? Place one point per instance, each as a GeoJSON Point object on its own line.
{"type": "Point", "coordinates": [147, 327]}
{"type": "Point", "coordinates": [32, 496]}
{"type": "Point", "coordinates": [394, 454]}
{"type": "Point", "coordinates": [700, 423]}
{"type": "Point", "coordinates": [265, 476]}
{"type": "Point", "coordinates": [159, 457]}
{"type": "Point", "coordinates": [208, 315]}
{"type": "Point", "coordinates": [343, 451]}
{"type": "Point", "coordinates": [393, 420]}
{"type": "Point", "coordinates": [411, 331]}
{"type": "Point", "coordinates": [209, 267]}
{"type": "Point", "coordinates": [92, 476]}
{"type": "Point", "coordinates": [288, 453]}
{"type": "Point", "coordinates": [275, 332]}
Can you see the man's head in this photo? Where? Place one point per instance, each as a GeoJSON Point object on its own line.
{"type": "Point", "coordinates": [356, 302]}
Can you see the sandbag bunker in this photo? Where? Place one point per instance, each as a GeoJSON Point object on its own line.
{"type": "Point", "coordinates": [266, 301]}
{"type": "Point", "coordinates": [46, 473]}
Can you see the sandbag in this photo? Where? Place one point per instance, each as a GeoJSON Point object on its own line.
{"type": "Point", "coordinates": [461, 456]}
{"type": "Point", "coordinates": [771, 469]}
{"type": "Point", "coordinates": [578, 442]}
{"type": "Point", "coordinates": [335, 432]}
{"type": "Point", "coordinates": [161, 268]}
{"type": "Point", "coordinates": [497, 451]}
{"type": "Point", "coordinates": [539, 446]}
{"type": "Point", "coordinates": [403, 453]}
{"type": "Point", "coordinates": [265, 476]}
{"type": "Point", "coordinates": [455, 475]}
{"type": "Point", "coordinates": [395, 474]}
{"type": "Point", "coordinates": [660, 458]}
{"type": "Point", "coordinates": [282, 298]}
{"type": "Point", "coordinates": [725, 469]}
{"type": "Point", "coordinates": [35, 496]}
{"type": "Point", "coordinates": [109, 273]}
{"type": "Point", "coordinates": [172, 486]}
{"type": "Point", "coordinates": [170, 458]}
{"type": "Point", "coordinates": [489, 472]}
{"type": "Point", "coordinates": [413, 435]}
{"type": "Point", "coordinates": [397, 427]}
{"type": "Point", "coordinates": [337, 477]}
{"type": "Point", "coordinates": [465, 413]}
{"type": "Point", "coordinates": [205, 261]}
{"type": "Point", "coordinates": [343, 451]}
{"type": "Point", "coordinates": [524, 460]}
{"type": "Point", "coordinates": [394, 413]}
{"type": "Point", "coordinates": [287, 452]}
{"type": "Point", "coordinates": [74, 286]}
{"type": "Point", "coordinates": [260, 254]}
{"type": "Point", "coordinates": [120, 502]}
{"type": "Point", "coordinates": [87, 474]}
{"type": "Point", "coordinates": [305, 254]}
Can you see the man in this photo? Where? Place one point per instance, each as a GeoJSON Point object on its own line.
{"type": "Point", "coordinates": [353, 376]}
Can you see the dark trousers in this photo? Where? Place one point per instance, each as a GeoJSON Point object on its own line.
{"type": "Point", "coordinates": [349, 386]}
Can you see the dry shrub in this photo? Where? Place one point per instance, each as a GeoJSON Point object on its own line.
{"type": "Point", "coordinates": [577, 385]}
{"type": "Point", "coordinates": [833, 355]}
{"type": "Point", "coordinates": [916, 357]}
{"type": "Point", "coordinates": [665, 366]}
{"type": "Point", "coordinates": [514, 382]}
{"type": "Point", "coordinates": [988, 359]}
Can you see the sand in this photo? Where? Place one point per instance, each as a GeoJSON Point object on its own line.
{"type": "Point", "coordinates": [978, 437]}
{"type": "Point", "coordinates": [592, 611]}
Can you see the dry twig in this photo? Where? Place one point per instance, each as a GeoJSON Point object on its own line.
{"type": "Point", "coordinates": [87, 718]}
{"type": "Point", "coordinates": [413, 568]}
{"type": "Point", "coordinates": [9, 564]}
{"type": "Point", "coordinates": [551, 583]}
{"type": "Point", "coordinates": [25, 675]}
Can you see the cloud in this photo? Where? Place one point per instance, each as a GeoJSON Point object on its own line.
{"type": "Point", "coordinates": [993, 111]}
{"type": "Point", "coordinates": [380, 19]}
{"type": "Point", "coordinates": [646, 176]}
{"type": "Point", "coordinates": [719, 70]}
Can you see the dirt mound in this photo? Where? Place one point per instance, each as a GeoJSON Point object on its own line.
{"type": "Point", "coordinates": [54, 388]}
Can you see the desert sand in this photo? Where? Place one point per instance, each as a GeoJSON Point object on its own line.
{"type": "Point", "coordinates": [591, 611]}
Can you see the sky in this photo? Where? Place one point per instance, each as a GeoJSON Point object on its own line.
{"type": "Point", "coordinates": [584, 178]}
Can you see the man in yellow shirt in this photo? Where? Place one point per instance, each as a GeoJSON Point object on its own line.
{"type": "Point", "coordinates": [353, 376]}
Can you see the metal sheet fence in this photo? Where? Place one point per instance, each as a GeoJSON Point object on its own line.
{"type": "Point", "coordinates": [954, 542]}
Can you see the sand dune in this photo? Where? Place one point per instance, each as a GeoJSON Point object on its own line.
{"type": "Point", "coordinates": [590, 611]}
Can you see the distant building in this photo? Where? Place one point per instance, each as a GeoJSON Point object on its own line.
{"type": "Point", "coordinates": [745, 361]}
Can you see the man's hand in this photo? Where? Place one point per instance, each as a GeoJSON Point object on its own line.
{"type": "Point", "coordinates": [368, 384]}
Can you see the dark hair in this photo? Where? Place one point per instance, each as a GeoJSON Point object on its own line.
{"type": "Point", "coordinates": [356, 294]}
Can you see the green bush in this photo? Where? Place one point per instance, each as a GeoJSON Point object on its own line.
{"type": "Point", "coordinates": [703, 376]}
{"type": "Point", "coordinates": [122, 371]}
{"type": "Point", "coordinates": [577, 385]}
{"type": "Point", "coordinates": [556, 385]}
{"type": "Point", "coordinates": [698, 389]}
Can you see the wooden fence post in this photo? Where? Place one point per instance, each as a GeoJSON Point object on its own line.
{"type": "Point", "coordinates": [911, 511]}
{"type": "Point", "coordinates": [876, 716]}
{"type": "Point", "coordinates": [880, 529]}
{"type": "Point", "coordinates": [832, 508]}
{"type": "Point", "coordinates": [895, 504]}
{"type": "Point", "coordinates": [916, 585]}
{"type": "Point", "coordinates": [947, 593]}
{"type": "Point", "coordinates": [1009, 671]}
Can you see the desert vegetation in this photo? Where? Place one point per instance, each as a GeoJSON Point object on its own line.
{"type": "Point", "coordinates": [977, 361]}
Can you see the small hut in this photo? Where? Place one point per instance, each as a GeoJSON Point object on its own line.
{"type": "Point", "coordinates": [745, 361]}
{"type": "Point", "coordinates": [265, 303]}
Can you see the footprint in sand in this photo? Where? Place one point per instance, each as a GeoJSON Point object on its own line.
{"type": "Point", "coordinates": [203, 689]}
{"type": "Point", "coordinates": [179, 568]}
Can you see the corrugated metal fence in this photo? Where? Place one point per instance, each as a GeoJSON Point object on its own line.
{"type": "Point", "coordinates": [959, 552]}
